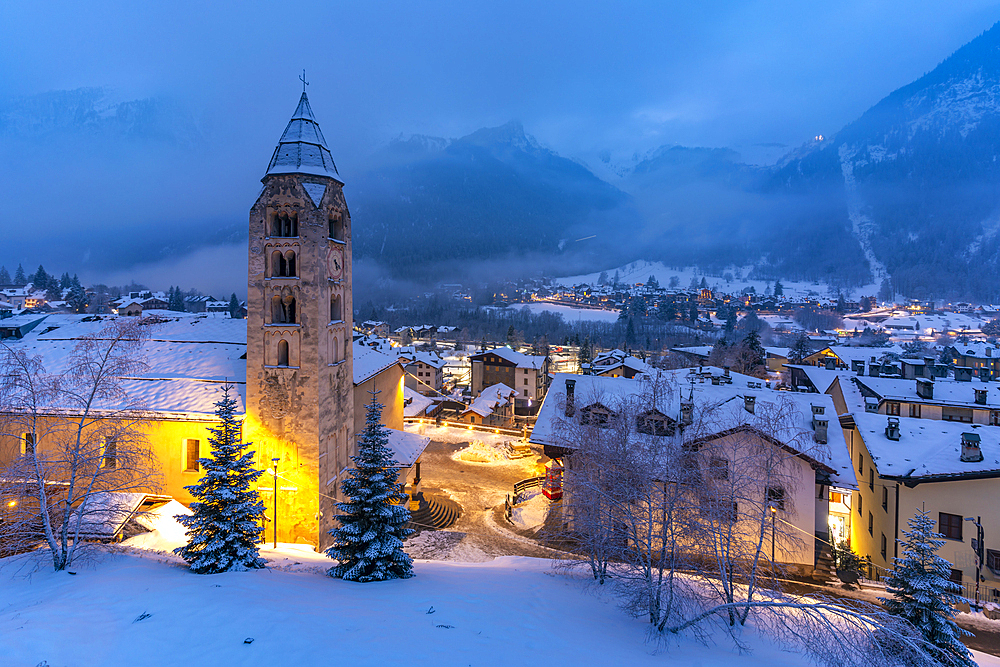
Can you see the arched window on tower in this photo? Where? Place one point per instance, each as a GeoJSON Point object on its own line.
{"type": "Point", "coordinates": [337, 226]}
{"type": "Point", "coordinates": [285, 225]}
{"type": "Point", "coordinates": [334, 350]}
{"type": "Point", "coordinates": [336, 308]}
{"type": "Point", "coordinates": [277, 264]}
{"type": "Point", "coordinates": [283, 308]}
{"type": "Point", "coordinates": [290, 268]}
{"type": "Point", "coordinates": [282, 352]}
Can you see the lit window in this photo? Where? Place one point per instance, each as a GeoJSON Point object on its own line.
{"type": "Point", "coordinates": [191, 455]}
{"type": "Point", "coordinates": [110, 453]}
{"type": "Point", "coordinates": [28, 444]}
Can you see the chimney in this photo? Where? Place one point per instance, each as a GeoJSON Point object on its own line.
{"type": "Point", "coordinates": [929, 367]}
{"type": "Point", "coordinates": [716, 379]}
{"type": "Point", "coordinates": [873, 370]}
{"type": "Point", "coordinates": [570, 397]}
{"type": "Point", "coordinates": [858, 366]}
{"type": "Point", "coordinates": [963, 374]}
{"type": "Point", "coordinates": [971, 451]}
{"type": "Point", "coordinates": [725, 371]}
{"type": "Point", "coordinates": [749, 403]}
{"type": "Point", "coordinates": [925, 389]}
{"type": "Point", "coordinates": [820, 426]}
{"type": "Point", "coordinates": [830, 363]}
{"type": "Point", "coordinates": [892, 428]}
{"type": "Point", "coordinates": [687, 413]}
{"type": "Point", "coordinates": [981, 396]}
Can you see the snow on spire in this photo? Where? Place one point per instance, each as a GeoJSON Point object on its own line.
{"type": "Point", "coordinates": [302, 148]}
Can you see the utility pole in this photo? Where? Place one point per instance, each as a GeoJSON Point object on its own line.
{"type": "Point", "coordinates": [977, 547]}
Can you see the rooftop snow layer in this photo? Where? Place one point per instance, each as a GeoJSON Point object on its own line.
{"type": "Point", "coordinates": [927, 447]}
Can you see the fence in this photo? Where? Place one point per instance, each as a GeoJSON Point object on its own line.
{"type": "Point", "coordinates": [519, 489]}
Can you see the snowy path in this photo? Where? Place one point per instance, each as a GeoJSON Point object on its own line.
{"type": "Point", "coordinates": [479, 488]}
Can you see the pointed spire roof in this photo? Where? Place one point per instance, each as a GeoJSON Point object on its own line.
{"type": "Point", "coordinates": [302, 148]}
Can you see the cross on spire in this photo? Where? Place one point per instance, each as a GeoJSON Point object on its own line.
{"type": "Point", "coordinates": [303, 80]}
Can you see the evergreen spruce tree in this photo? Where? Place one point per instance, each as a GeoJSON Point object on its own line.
{"type": "Point", "coordinates": [4, 276]}
{"type": "Point", "coordinates": [19, 277]}
{"type": "Point", "coordinates": [234, 306]}
{"type": "Point", "coordinates": [40, 280]}
{"type": "Point", "coordinates": [369, 542]}
{"type": "Point", "coordinates": [227, 522]}
{"type": "Point", "coordinates": [923, 594]}
{"type": "Point", "coordinates": [779, 289]}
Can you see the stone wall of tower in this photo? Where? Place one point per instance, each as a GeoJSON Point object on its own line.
{"type": "Point", "coordinates": [300, 405]}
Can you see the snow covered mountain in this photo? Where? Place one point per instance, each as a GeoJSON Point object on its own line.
{"type": "Point", "coordinates": [492, 195]}
{"type": "Point", "coordinates": [920, 177]}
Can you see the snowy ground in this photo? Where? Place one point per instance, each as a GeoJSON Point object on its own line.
{"type": "Point", "coordinates": [571, 314]}
{"type": "Point", "coordinates": [640, 270]}
{"type": "Point", "coordinates": [146, 610]}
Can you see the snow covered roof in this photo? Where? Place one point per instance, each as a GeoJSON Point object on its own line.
{"type": "Point", "coordinates": [946, 392]}
{"type": "Point", "coordinates": [369, 362]}
{"type": "Point", "coordinates": [519, 359]}
{"type": "Point", "coordinates": [927, 449]}
{"type": "Point", "coordinates": [695, 350]}
{"type": "Point", "coordinates": [428, 358]}
{"type": "Point", "coordinates": [820, 378]}
{"type": "Point", "coordinates": [494, 396]}
{"type": "Point", "coordinates": [979, 350]}
{"type": "Point", "coordinates": [188, 359]}
{"type": "Point", "coordinates": [718, 408]}
{"type": "Point", "coordinates": [407, 447]}
{"type": "Point", "coordinates": [302, 148]}
{"type": "Point", "coordinates": [414, 403]}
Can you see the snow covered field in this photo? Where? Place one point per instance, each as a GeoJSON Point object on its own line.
{"type": "Point", "coordinates": [571, 314]}
{"type": "Point", "coordinates": [640, 270]}
{"type": "Point", "coordinates": [508, 611]}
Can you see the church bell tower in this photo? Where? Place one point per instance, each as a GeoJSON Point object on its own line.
{"type": "Point", "coordinates": [300, 402]}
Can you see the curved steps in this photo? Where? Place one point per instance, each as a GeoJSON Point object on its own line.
{"type": "Point", "coordinates": [435, 513]}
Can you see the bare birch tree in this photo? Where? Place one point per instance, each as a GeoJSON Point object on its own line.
{"type": "Point", "coordinates": [74, 439]}
{"type": "Point", "coordinates": [679, 515]}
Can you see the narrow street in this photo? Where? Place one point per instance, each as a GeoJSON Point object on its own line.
{"type": "Point", "coordinates": [481, 533]}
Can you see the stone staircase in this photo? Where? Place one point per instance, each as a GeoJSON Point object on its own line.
{"type": "Point", "coordinates": [434, 512]}
{"type": "Point", "coordinates": [825, 569]}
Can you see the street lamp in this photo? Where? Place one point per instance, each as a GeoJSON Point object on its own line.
{"type": "Point", "coordinates": [275, 473]}
{"type": "Point", "coordinates": [774, 513]}
{"type": "Point", "coordinates": [977, 547]}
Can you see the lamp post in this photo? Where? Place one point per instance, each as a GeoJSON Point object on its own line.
{"type": "Point", "coordinates": [275, 472]}
{"type": "Point", "coordinates": [977, 547]}
{"type": "Point", "coordinates": [774, 513]}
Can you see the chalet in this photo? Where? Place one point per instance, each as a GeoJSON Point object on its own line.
{"type": "Point", "coordinates": [947, 400]}
{"type": "Point", "coordinates": [529, 374]}
{"type": "Point", "coordinates": [493, 407]}
{"type": "Point", "coordinates": [424, 371]}
{"type": "Point", "coordinates": [705, 415]}
{"type": "Point", "coordinates": [616, 363]}
{"type": "Point", "coordinates": [982, 358]}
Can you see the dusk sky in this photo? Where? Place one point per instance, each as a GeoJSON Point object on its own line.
{"type": "Point", "coordinates": [583, 77]}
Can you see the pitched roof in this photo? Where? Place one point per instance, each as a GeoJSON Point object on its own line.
{"type": "Point", "coordinates": [369, 362]}
{"type": "Point", "coordinates": [519, 359]}
{"type": "Point", "coordinates": [718, 410]}
{"type": "Point", "coordinates": [302, 148]}
{"type": "Point", "coordinates": [492, 397]}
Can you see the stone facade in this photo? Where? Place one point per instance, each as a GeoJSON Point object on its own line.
{"type": "Point", "coordinates": [300, 394]}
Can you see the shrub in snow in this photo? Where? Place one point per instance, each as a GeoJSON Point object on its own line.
{"type": "Point", "coordinates": [227, 520]}
{"type": "Point", "coordinates": [369, 542]}
{"type": "Point", "coordinates": [923, 594]}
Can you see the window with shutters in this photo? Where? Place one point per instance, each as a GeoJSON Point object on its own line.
{"type": "Point", "coordinates": [950, 525]}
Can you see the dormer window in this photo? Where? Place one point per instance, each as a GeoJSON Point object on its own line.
{"type": "Point", "coordinates": [653, 422]}
{"type": "Point", "coordinates": [595, 415]}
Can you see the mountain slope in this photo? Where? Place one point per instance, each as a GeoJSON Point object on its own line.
{"type": "Point", "coordinates": [920, 172]}
{"type": "Point", "coordinates": [493, 194]}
